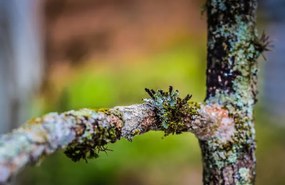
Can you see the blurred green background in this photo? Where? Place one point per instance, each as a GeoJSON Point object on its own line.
{"type": "Point", "coordinates": [104, 53]}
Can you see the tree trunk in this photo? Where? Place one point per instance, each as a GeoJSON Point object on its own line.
{"type": "Point", "coordinates": [233, 49]}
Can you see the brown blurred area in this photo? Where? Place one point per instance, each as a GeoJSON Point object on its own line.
{"type": "Point", "coordinates": [85, 30]}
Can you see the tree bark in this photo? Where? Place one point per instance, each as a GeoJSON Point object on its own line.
{"type": "Point", "coordinates": [85, 132]}
{"type": "Point", "coordinates": [233, 49]}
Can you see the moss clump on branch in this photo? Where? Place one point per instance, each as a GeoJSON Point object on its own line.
{"type": "Point", "coordinates": [93, 141]}
{"type": "Point", "coordinates": [170, 109]}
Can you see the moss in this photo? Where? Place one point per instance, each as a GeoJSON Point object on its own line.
{"type": "Point", "coordinates": [104, 110]}
{"type": "Point", "coordinates": [91, 144]}
{"type": "Point", "coordinates": [34, 121]}
{"type": "Point", "coordinates": [136, 132]}
{"type": "Point", "coordinates": [95, 135]}
{"type": "Point", "coordinates": [171, 110]}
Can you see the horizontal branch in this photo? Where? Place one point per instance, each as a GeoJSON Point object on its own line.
{"type": "Point", "coordinates": [85, 132]}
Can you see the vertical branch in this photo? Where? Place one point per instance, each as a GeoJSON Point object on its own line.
{"type": "Point", "coordinates": [233, 49]}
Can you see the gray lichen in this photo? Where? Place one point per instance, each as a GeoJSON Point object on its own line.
{"type": "Point", "coordinates": [82, 133]}
{"type": "Point", "coordinates": [85, 133]}
{"type": "Point", "coordinates": [233, 49]}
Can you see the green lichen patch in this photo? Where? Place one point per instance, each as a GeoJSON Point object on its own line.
{"type": "Point", "coordinates": [170, 109]}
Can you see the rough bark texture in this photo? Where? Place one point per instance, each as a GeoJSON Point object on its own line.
{"type": "Point", "coordinates": [85, 132]}
{"type": "Point", "coordinates": [233, 49]}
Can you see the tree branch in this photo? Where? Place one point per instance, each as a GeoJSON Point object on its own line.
{"type": "Point", "coordinates": [85, 132]}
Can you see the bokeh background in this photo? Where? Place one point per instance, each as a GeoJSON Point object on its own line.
{"type": "Point", "coordinates": [57, 55]}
